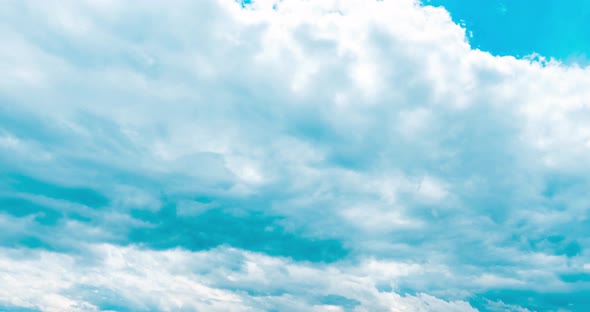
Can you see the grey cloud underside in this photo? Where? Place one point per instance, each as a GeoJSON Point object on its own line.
{"type": "Point", "coordinates": [326, 140]}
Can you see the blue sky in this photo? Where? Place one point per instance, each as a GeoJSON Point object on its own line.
{"type": "Point", "coordinates": [294, 155]}
{"type": "Point", "coordinates": [558, 29]}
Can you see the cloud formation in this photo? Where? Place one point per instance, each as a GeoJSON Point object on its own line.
{"type": "Point", "coordinates": [287, 155]}
{"type": "Point", "coordinates": [223, 279]}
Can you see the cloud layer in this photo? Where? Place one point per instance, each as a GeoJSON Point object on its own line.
{"type": "Point", "coordinates": [284, 155]}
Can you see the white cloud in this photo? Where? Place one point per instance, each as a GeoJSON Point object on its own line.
{"type": "Point", "coordinates": [216, 280]}
{"type": "Point", "coordinates": [372, 123]}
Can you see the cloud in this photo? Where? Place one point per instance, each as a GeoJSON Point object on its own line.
{"type": "Point", "coordinates": [108, 277]}
{"type": "Point", "coordinates": [320, 136]}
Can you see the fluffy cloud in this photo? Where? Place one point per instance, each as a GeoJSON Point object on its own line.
{"type": "Point", "coordinates": [317, 135]}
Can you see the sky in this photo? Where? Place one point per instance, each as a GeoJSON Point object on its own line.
{"type": "Point", "coordinates": [554, 29]}
{"type": "Point", "coordinates": [294, 155]}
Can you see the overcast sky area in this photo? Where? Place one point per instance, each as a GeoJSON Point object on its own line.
{"type": "Point", "coordinates": [294, 155]}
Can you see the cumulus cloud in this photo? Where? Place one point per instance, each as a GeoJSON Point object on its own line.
{"type": "Point", "coordinates": [330, 142]}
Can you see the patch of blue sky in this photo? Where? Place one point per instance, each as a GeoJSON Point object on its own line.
{"type": "Point", "coordinates": [6, 308]}
{"type": "Point", "coordinates": [553, 29]}
{"type": "Point", "coordinates": [168, 228]}
{"type": "Point", "coordinates": [214, 227]}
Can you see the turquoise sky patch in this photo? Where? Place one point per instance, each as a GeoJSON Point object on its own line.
{"type": "Point", "coordinates": [557, 29]}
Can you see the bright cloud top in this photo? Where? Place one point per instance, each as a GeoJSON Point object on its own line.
{"type": "Point", "coordinates": [284, 156]}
